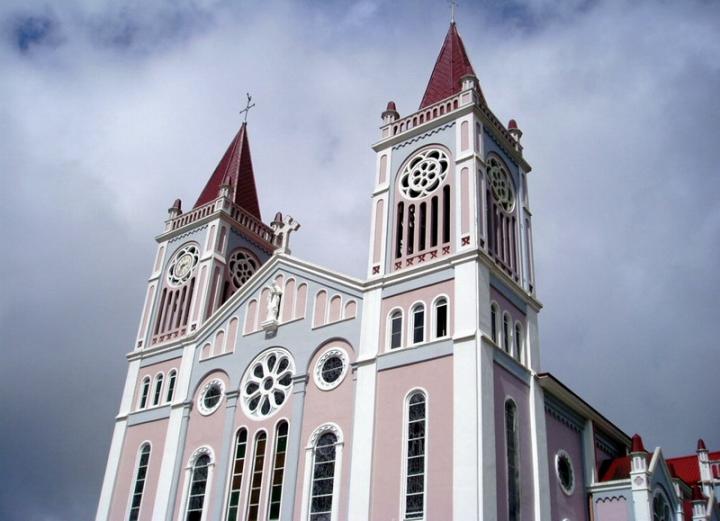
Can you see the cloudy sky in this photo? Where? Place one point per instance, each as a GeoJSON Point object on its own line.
{"type": "Point", "coordinates": [109, 111]}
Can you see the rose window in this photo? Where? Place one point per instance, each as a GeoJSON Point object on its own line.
{"type": "Point", "coordinates": [242, 265]}
{"type": "Point", "coordinates": [183, 264]}
{"type": "Point", "coordinates": [267, 383]}
{"type": "Point", "coordinates": [501, 183]}
{"type": "Point", "coordinates": [424, 173]}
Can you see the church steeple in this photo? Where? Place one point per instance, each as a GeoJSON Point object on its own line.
{"type": "Point", "coordinates": [235, 169]}
{"type": "Point", "coordinates": [451, 66]}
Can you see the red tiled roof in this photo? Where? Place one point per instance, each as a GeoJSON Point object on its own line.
{"type": "Point", "coordinates": [451, 65]}
{"type": "Point", "coordinates": [235, 167]}
{"type": "Point", "coordinates": [687, 467]}
{"type": "Point", "coordinates": [618, 468]}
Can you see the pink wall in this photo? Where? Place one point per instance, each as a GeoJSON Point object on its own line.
{"type": "Point", "coordinates": [611, 509]}
{"type": "Point", "coordinates": [435, 377]}
{"type": "Point", "coordinates": [202, 431]}
{"type": "Point", "coordinates": [560, 436]}
{"type": "Point", "coordinates": [154, 432]}
{"type": "Point", "coordinates": [508, 386]}
{"type": "Point", "coordinates": [320, 408]}
{"type": "Point", "coordinates": [427, 295]}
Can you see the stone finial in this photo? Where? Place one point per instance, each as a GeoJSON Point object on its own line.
{"type": "Point", "coordinates": [175, 209]}
{"type": "Point", "coordinates": [225, 187]}
{"type": "Point", "coordinates": [390, 114]}
{"type": "Point", "coordinates": [515, 132]}
{"type": "Point", "coordinates": [468, 82]}
{"type": "Point", "coordinates": [282, 228]}
{"type": "Point", "coordinates": [701, 445]}
{"type": "Point", "coordinates": [637, 444]}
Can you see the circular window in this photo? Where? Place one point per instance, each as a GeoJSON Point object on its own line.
{"type": "Point", "coordinates": [241, 266]}
{"type": "Point", "coordinates": [183, 264]}
{"type": "Point", "coordinates": [211, 396]}
{"type": "Point", "coordinates": [565, 472]}
{"type": "Point", "coordinates": [424, 173]}
{"type": "Point", "coordinates": [330, 369]}
{"type": "Point", "coordinates": [267, 382]}
{"type": "Point", "coordinates": [501, 184]}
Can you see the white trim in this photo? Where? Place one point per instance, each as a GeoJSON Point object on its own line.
{"type": "Point", "coordinates": [202, 408]}
{"type": "Point", "coordinates": [134, 479]}
{"type": "Point", "coordinates": [560, 454]}
{"type": "Point", "coordinates": [317, 373]}
{"type": "Point", "coordinates": [411, 323]}
{"type": "Point", "coordinates": [110, 478]}
{"type": "Point", "coordinates": [261, 359]}
{"type": "Point", "coordinates": [403, 449]}
{"type": "Point", "coordinates": [310, 462]}
{"type": "Point", "coordinates": [388, 329]}
{"type": "Point", "coordinates": [433, 317]}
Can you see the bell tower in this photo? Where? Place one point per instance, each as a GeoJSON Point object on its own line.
{"type": "Point", "coordinates": [207, 253]}
{"type": "Point", "coordinates": [450, 179]}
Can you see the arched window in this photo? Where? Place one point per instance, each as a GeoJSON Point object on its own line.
{"type": "Point", "coordinates": [172, 376]}
{"type": "Point", "coordinates": [144, 392]}
{"type": "Point", "coordinates": [198, 483]}
{"type": "Point", "coordinates": [281, 436]}
{"type": "Point", "coordinates": [493, 323]}
{"type": "Point", "coordinates": [418, 324]}
{"type": "Point", "coordinates": [518, 342]}
{"type": "Point", "coordinates": [441, 317]}
{"type": "Point", "coordinates": [506, 333]}
{"type": "Point", "coordinates": [157, 393]}
{"type": "Point", "coordinates": [140, 477]}
{"type": "Point", "coordinates": [257, 472]}
{"type": "Point", "coordinates": [396, 329]}
{"type": "Point", "coordinates": [513, 463]}
{"type": "Point", "coordinates": [236, 476]}
{"type": "Point", "coordinates": [415, 456]}
{"type": "Point", "coordinates": [661, 510]}
{"type": "Point", "coordinates": [323, 478]}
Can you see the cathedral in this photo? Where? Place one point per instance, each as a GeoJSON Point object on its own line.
{"type": "Point", "coordinates": [261, 386]}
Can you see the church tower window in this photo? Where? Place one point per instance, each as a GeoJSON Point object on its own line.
{"type": "Point", "coordinates": [172, 376]}
{"type": "Point", "coordinates": [157, 393]}
{"type": "Point", "coordinates": [241, 266]}
{"type": "Point", "coordinates": [502, 216]}
{"type": "Point", "coordinates": [236, 475]}
{"type": "Point", "coordinates": [140, 478]}
{"type": "Point", "coordinates": [415, 464]}
{"type": "Point", "coordinates": [418, 326]}
{"type": "Point", "coordinates": [518, 343]}
{"type": "Point", "coordinates": [506, 333]}
{"type": "Point", "coordinates": [512, 460]}
{"type": "Point", "coordinates": [396, 329]}
{"type": "Point", "coordinates": [441, 317]}
{"type": "Point", "coordinates": [144, 392]}
{"type": "Point", "coordinates": [493, 322]}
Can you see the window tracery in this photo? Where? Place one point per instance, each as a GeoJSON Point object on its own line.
{"type": "Point", "coordinates": [424, 173]}
{"type": "Point", "coordinates": [183, 264]}
{"type": "Point", "coordinates": [267, 383]}
{"type": "Point", "coordinates": [241, 266]}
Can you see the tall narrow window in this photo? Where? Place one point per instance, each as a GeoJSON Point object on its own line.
{"type": "Point", "coordinates": [411, 230]}
{"type": "Point", "coordinates": [172, 376]}
{"type": "Point", "coordinates": [198, 483]}
{"type": "Point", "coordinates": [433, 221]}
{"type": "Point", "coordinates": [493, 323]}
{"type": "Point", "coordinates": [237, 475]}
{"type": "Point", "coordinates": [140, 477]}
{"type": "Point", "coordinates": [157, 393]}
{"type": "Point", "coordinates": [144, 392]}
{"type": "Point", "coordinates": [323, 478]}
{"type": "Point", "coordinates": [446, 215]}
{"type": "Point", "coordinates": [418, 324]}
{"type": "Point", "coordinates": [395, 329]}
{"type": "Point", "coordinates": [256, 484]}
{"type": "Point", "coordinates": [506, 333]}
{"type": "Point", "coordinates": [441, 317]}
{"type": "Point", "coordinates": [518, 342]}
{"type": "Point", "coordinates": [415, 457]}
{"type": "Point", "coordinates": [281, 436]}
{"type": "Point", "coordinates": [513, 467]}
{"type": "Point", "coordinates": [399, 231]}
{"type": "Point", "coordinates": [422, 229]}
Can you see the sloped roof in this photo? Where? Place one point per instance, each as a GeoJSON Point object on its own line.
{"type": "Point", "coordinates": [451, 65]}
{"type": "Point", "coordinates": [687, 467]}
{"type": "Point", "coordinates": [235, 168]}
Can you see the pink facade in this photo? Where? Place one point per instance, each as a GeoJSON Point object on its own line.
{"type": "Point", "coordinates": [393, 385]}
{"type": "Point", "coordinates": [561, 437]}
{"type": "Point", "coordinates": [611, 509]}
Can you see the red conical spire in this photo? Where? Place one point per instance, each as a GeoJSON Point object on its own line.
{"type": "Point", "coordinates": [451, 65]}
{"type": "Point", "coordinates": [235, 168]}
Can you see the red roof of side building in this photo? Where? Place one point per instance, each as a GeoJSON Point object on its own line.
{"type": "Point", "coordinates": [451, 65]}
{"type": "Point", "coordinates": [687, 467]}
{"type": "Point", "coordinates": [235, 167]}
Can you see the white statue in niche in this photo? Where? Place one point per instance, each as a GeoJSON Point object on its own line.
{"type": "Point", "coordinates": [273, 309]}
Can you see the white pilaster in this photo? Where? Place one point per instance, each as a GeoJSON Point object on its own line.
{"type": "Point", "coordinates": [589, 453]}
{"type": "Point", "coordinates": [640, 483]}
{"type": "Point", "coordinates": [541, 465]}
{"type": "Point", "coordinates": [364, 409]}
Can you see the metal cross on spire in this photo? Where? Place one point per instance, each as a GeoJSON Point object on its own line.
{"type": "Point", "coordinates": [453, 6]}
{"type": "Point", "coordinates": [247, 107]}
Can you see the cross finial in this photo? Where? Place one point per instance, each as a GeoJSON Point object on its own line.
{"type": "Point", "coordinates": [247, 107]}
{"type": "Point", "coordinates": [453, 6]}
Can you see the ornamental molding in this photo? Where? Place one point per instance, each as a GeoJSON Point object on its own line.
{"type": "Point", "coordinates": [187, 234]}
{"type": "Point", "coordinates": [328, 427]}
{"type": "Point", "coordinates": [202, 409]}
{"type": "Point", "coordinates": [268, 380]}
{"type": "Point", "coordinates": [317, 373]}
{"type": "Point", "coordinates": [201, 451]}
{"type": "Point", "coordinates": [423, 136]}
